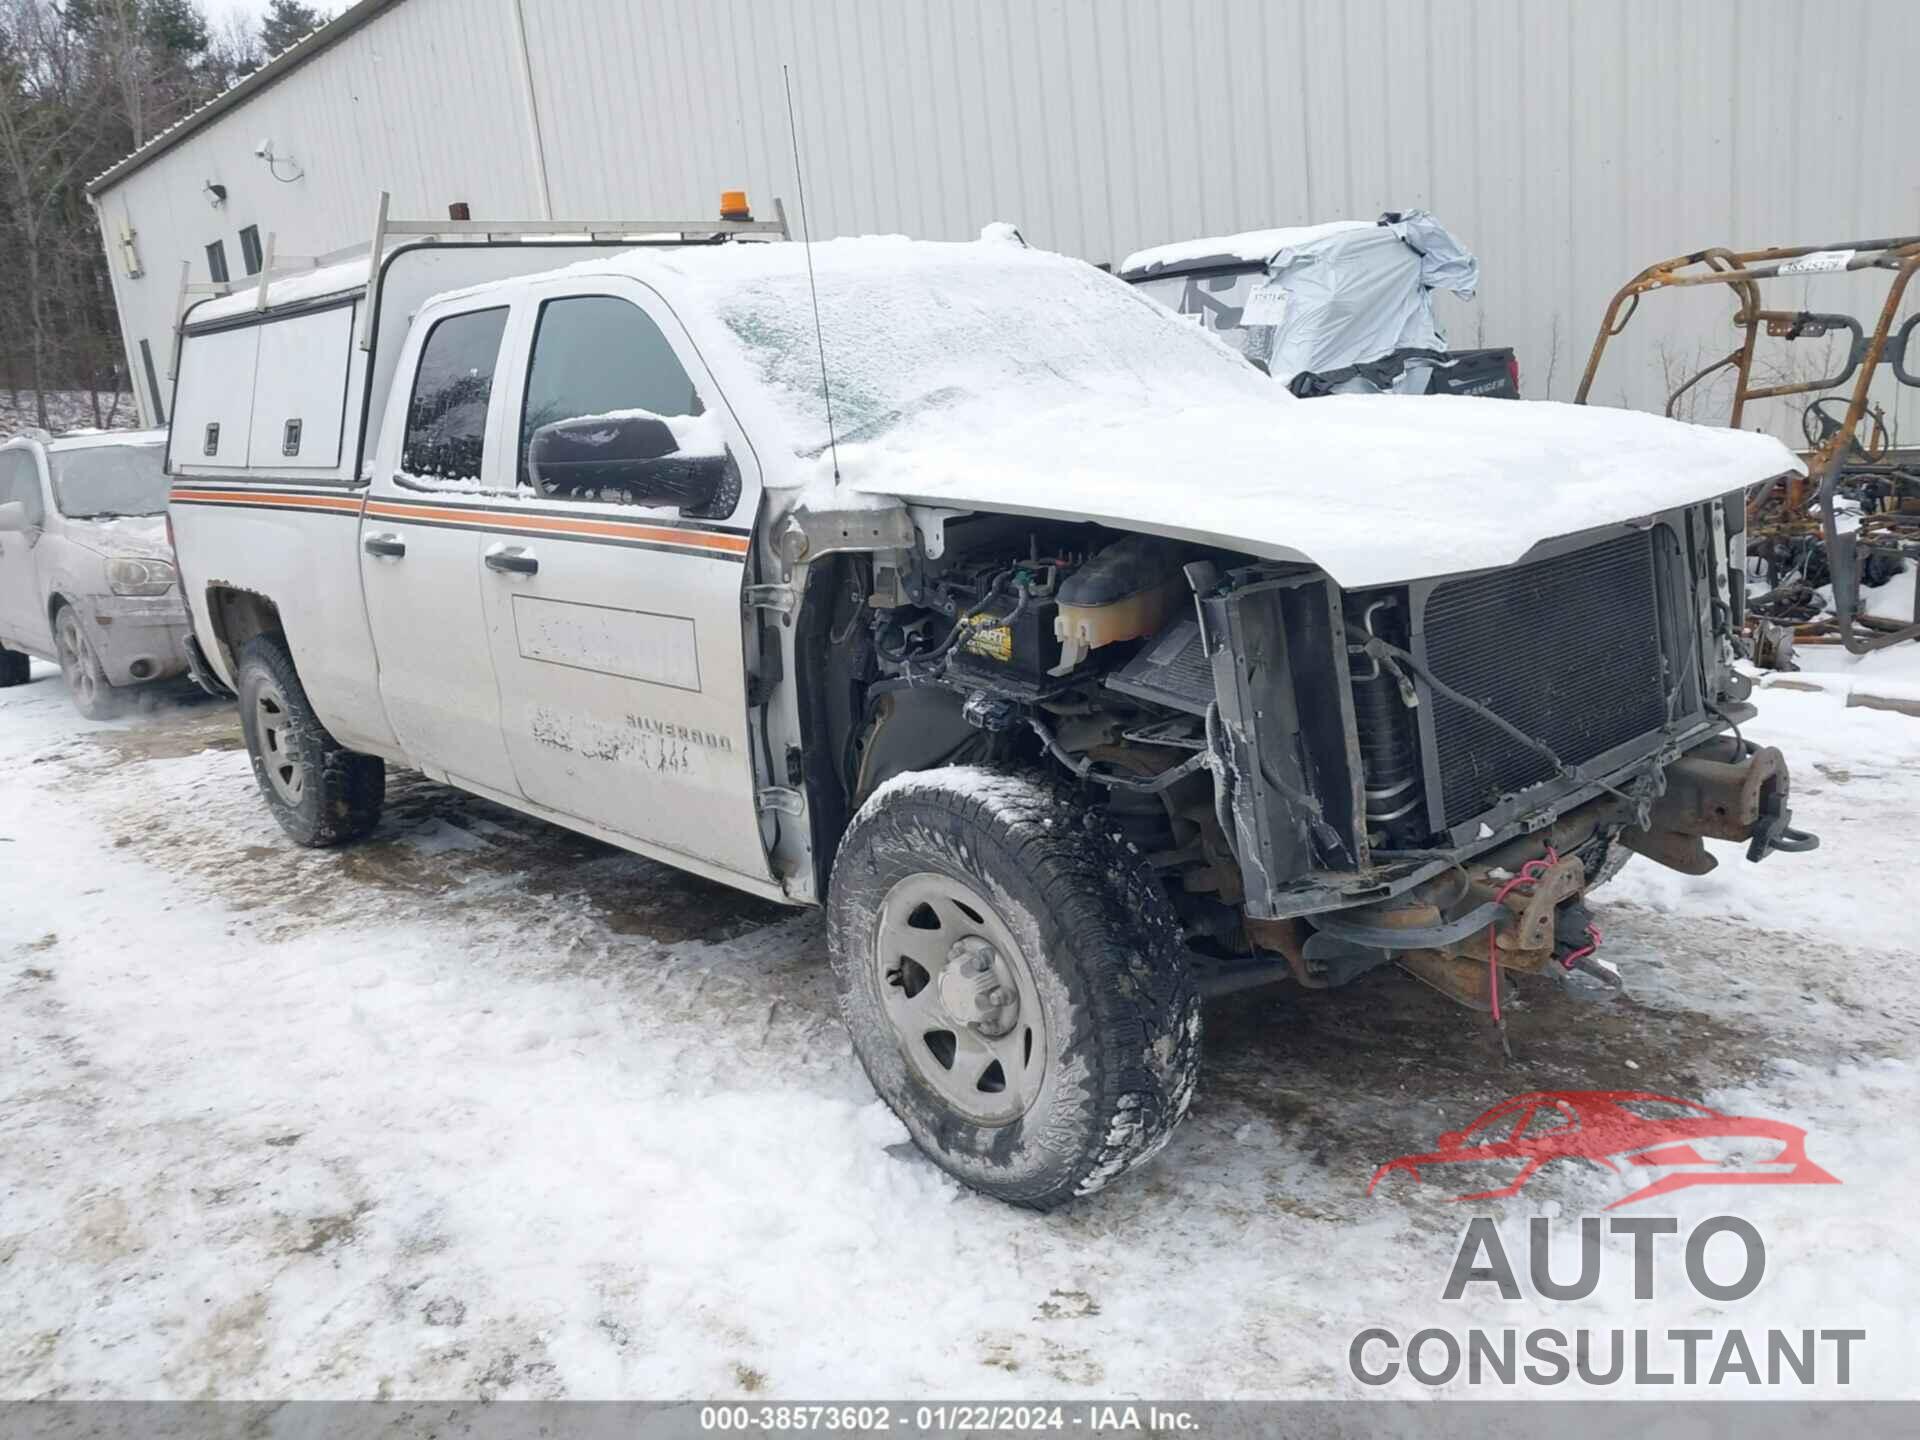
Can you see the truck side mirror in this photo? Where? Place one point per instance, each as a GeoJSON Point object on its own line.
{"type": "Point", "coordinates": [13, 518]}
{"type": "Point", "coordinates": [636, 455]}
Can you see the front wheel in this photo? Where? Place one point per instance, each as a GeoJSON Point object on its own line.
{"type": "Point", "coordinates": [1014, 982]}
{"type": "Point", "coordinates": [93, 694]}
{"type": "Point", "coordinates": [321, 792]}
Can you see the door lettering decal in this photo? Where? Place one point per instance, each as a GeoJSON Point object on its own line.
{"type": "Point", "coordinates": [631, 644]}
{"type": "Point", "coordinates": [639, 741]}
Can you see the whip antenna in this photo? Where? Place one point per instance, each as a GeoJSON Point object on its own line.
{"type": "Point", "coordinates": [806, 241]}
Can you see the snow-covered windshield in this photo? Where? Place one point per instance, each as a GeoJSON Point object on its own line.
{"type": "Point", "coordinates": [109, 480]}
{"type": "Point", "coordinates": [917, 333]}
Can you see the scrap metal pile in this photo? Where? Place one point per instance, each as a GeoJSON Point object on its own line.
{"type": "Point", "coordinates": [1852, 522]}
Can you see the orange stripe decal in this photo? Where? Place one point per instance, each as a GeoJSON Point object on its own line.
{"type": "Point", "coordinates": [560, 526]}
{"type": "Point", "coordinates": [478, 518]}
{"type": "Point", "coordinates": [346, 505]}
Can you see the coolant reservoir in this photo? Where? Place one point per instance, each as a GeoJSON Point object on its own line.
{"type": "Point", "coordinates": [1125, 592]}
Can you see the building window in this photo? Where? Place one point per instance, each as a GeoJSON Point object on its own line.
{"type": "Point", "coordinates": [153, 384]}
{"type": "Point", "coordinates": [250, 249]}
{"type": "Point", "coordinates": [217, 261]}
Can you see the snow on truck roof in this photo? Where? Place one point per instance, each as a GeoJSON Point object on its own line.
{"type": "Point", "coordinates": [917, 333]}
{"type": "Point", "coordinates": [1250, 247]}
{"type": "Point", "coordinates": [99, 439]}
{"type": "Point", "coordinates": [296, 289]}
{"type": "Point", "coordinates": [988, 375]}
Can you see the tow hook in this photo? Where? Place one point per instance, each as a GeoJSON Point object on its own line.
{"type": "Point", "coordinates": [1727, 789]}
{"type": "Point", "coordinates": [1774, 830]}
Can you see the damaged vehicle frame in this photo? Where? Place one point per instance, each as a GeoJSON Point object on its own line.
{"type": "Point", "coordinates": [1059, 743]}
{"type": "Point", "coordinates": [1343, 805]}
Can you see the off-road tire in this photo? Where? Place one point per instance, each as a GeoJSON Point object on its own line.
{"type": "Point", "coordinates": [1099, 940]}
{"type": "Point", "coordinates": [15, 668]}
{"type": "Point", "coordinates": [92, 693]}
{"type": "Point", "coordinates": [340, 791]}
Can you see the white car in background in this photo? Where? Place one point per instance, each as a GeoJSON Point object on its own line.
{"type": "Point", "coordinates": [86, 574]}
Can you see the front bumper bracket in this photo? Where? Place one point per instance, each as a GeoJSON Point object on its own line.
{"type": "Point", "coordinates": [1727, 789]}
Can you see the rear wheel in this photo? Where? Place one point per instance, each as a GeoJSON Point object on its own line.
{"type": "Point", "coordinates": [15, 668]}
{"type": "Point", "coordinates": [1014, 982]}
{"type": "Point", "coordinates": [320, 792]}
{"type": "Point", "coordinates": [93, 696]}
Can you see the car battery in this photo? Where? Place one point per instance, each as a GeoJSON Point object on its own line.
{"type": "Point", "coordinates": [1020, 649]}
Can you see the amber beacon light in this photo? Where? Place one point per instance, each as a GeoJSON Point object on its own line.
{"type": "Point", "coordinates": [733, 205]}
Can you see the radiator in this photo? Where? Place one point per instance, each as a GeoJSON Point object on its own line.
{"type": "Point", "coordinates": [1566, 649]}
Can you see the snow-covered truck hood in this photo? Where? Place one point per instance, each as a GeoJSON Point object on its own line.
{"type": "Point", "coordinates": [1372, 488]}
{"type": "Point", "coordinates": [993, 376]}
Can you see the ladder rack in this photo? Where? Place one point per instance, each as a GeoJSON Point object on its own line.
{"type": "Point", "coordinates": [386, 228]}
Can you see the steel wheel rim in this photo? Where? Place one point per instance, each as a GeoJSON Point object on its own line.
{"type": "Point", "coordinates": [73, 659]}
{"type": "Point", "coordinates": [278, 758]}
{"type": "Point", "coordinates": [943, 955]}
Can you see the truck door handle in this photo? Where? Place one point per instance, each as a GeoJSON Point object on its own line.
{"type": "Point", "coordinates": [514, 559]}
{"type": "Point", "coordinates": [389, 545]}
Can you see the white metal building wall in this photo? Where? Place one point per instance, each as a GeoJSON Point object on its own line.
{"type": "Point", "coordinates": [1569, 142]}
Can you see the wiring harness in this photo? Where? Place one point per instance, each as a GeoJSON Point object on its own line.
{"type": "Point", "coordinates": [1530, 875]}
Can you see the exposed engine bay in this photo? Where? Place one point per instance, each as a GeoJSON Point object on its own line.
{"type": "Point", "coordinates": [1431, 773]}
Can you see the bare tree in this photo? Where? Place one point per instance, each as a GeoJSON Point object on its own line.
{"type": "Point", "coordinates": [40, 151]}
{"type": "Point", "coordinates": [234, 52]}
{"type": "Point", "coordinates": [114, 34]}
{"type": "Point", "coordinates": [83, 83]}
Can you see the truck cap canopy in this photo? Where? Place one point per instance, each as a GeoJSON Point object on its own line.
{"type": "Point", "coordinates": [1221, 252]}
{"type": "Point", "coordinates": [988, 375]}
{"type": "Point", "coordinates": [343, 278]}
{"type": "Point", "coordinates": [1320, 298]}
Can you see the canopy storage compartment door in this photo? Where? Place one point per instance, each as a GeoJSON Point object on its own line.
{"type": "Point", "coordinates": [213, 402]}
{"type": "Point", "coordinates": [276, 396]}
{"type": "Point", "coordinates": [300, 391]}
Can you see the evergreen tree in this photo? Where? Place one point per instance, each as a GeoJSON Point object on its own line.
{"type": "Point", "coordinates": [285, 22]}
{"type": "Point", "coordinates": [175, 27]}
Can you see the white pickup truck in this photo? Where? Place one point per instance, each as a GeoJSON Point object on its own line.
{"type": "Point", "coordinates": [1074, 667]}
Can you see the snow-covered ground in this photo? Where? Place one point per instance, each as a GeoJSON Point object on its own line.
{"type": "Point", "coordinates": [484, 1108]}
{"type": "Point", "coordinates": [67, 410]}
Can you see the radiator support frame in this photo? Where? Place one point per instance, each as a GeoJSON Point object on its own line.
{"type": "Point", "coordinates": [1673, 608]}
